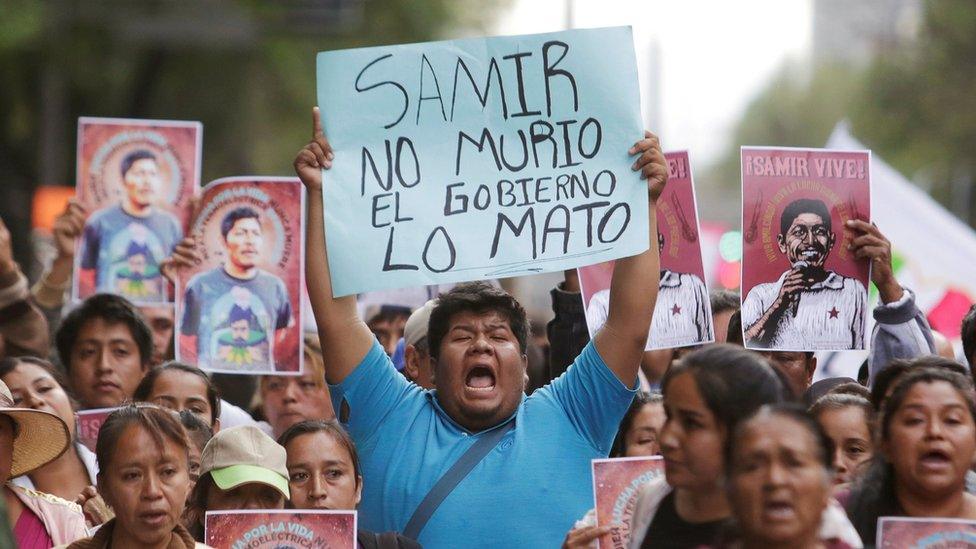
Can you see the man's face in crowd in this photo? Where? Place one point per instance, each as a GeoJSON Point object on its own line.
{"type": "Point", "coordinates": [141, 182]}
{"type": "Point", "coordinates": [244, 242]}
{"type": "Point", "coordinates": [797, 368]}
{"type": "Point", "coordinates": [388, 331]}
{"type": "Point", "coordinates": [288, 400]}
{"type": "Point", "coordinates": [160, 321]}
{"type": "Point", "coordinates": [418, 365]}
{"type": "Point", "coordinates": [480, 374]}
{"type": "Point", "coordinates": [808, 239]}
{"type": "Point", "coordinates": [251, 496]}
{"type": "Point", "coordinates": [105, 365]}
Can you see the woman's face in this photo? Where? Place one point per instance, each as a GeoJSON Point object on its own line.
{"type": "Point", "coordinates": [692, 439]}
{"type": "Point", "coordinates": [848, 428]}
{"type": "Point", "coordinates": [321, 473]}
{"type": "Point", "coordinates": [250, 496]}
{"type": "Point", "coordinates": [292, 399]}
{"type": "Point", "coordinates": [642, 439]}
{"type": "Point", "coordinates": [178, 391]}
{"type": "Point", "coordinates": [931, 440]}
{"type": "Point", "coordinates": [32, 387]}
{"type": "Point", "coordinates": [146, 485]}
{"type": "Point", "coordinates": [778, 487]}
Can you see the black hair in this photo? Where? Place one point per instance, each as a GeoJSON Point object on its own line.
{"type": "Point", "coordinates": [145, 387]}
{"type": "Point", "coordinates": [874, 496]}
{"type": "Point", "coordinates": [235, 215]}
{"type": "Point", "coordinates": [733, 382]}
{"type": "Point", "coordinates": [821, 388]}
{"type": "Point", "coordinates": [641, 399]}
{"type": "Point", "coordinates": [795, 412]}
{"type": "Point", "coordinates": [331, 428]}
{"type": "Point", "coordinates": [133, 157]}
{"type": "Point", "coordinates": [801, 206]}
{"type": "Point", "coordinates": [967, 331]}
{"type": "Point", "coordinates": [198, 432]}
{"type": "Point", "coordinates": [734, 335]}
{"type": "Point", "coordinates": [159, 424]}
{"type": "Point", "coordinates": [839, 401]}
{"type": "Point", "coordinates": [893, 372]}
{"type": "Point", "coordinates": [478, 298]}
{"type": "Point", "coordinates": [852, 388]}
{"type": "Point", "coordinates": [112, 309]}
{"type": "Point", "coordinates": [723, 300]}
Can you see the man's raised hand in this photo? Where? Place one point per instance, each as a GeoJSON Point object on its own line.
{"type": "Point", "coordinates": [651, 164]}
{"type": "Point", "coordinates": [315, 156]}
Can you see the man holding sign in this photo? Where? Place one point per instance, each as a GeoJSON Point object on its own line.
{"type": "Point", "coordinates": [538, 448]}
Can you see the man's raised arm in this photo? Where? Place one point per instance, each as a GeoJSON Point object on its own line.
{"type": "Point", "coordinates": [633, 288]}
{"type": "Point", "coordinates": [345, 338]}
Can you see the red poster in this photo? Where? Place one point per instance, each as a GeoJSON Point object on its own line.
{"type": "Point", "coordinates": [919, 533]}
{"type": "Point", "coordinates": [88, 423]}
{"type": "Point", "coordinates": [137, 179]}
{"type": "Point", "coordinates": [239, 310]}
{"type": "Point", "coordinates": [682, 314]}
{"type": "Point", "coordinates": [616, 484]}
{"type": "Point", "coordinates": [802, 288]}
{"type": "Point", "coordinates": [281, 529]}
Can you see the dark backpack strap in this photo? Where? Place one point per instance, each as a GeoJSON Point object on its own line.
{"type": "Point", "coordinates": [446, 484]}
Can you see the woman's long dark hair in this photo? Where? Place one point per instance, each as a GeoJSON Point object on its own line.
{"type": "Point", "coordinates": [873, 495]}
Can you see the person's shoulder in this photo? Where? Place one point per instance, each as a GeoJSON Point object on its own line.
{"type": "Point", "coordinates": [164, 215]}
{"type": "Point", "coordinates": [46, 498]}
{"type": "Point", "coordinates": [98, 216]}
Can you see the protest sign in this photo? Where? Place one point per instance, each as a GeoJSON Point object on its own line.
{"type": "Point", "coordinates": [239, 310]}
{"type": "Point", "coordinates": [682, 313]}
{"type": "Point", "coordinates": [616, 484]}
{"type": "Point", "coordinates": [905, 532]}
{"type": "Point", "coordinates": [276, 529]}
{"type": "Point", "coordinates": [136, 178]}
{"type": "Point", "coordinates": [802, 289]}
{"type": "Point", "coordinates": [88, 424]}
{"type": "Point", "coordinates": [481, 158]}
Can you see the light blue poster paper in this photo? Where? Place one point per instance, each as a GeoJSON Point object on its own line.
{"type": "Point", "coordinates": [482, 158]}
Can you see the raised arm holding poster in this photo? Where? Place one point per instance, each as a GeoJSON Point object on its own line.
{"type": "Point", "coordinates": [802, 289]}
{"type": "Point", "coordinates": [682, 313]}
{"type": "Point", "coordinates": [137, 177]}
{"type": "Point", "coordinates": [239, 309]}
{"type": "Point", "coordinates": [481, 158]}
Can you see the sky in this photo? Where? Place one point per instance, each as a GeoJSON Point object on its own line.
{"type": "Point", "coordinates": [712, 56]}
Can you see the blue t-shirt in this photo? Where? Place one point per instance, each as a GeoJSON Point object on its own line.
{"type": "Point", "coordinates": [526, 492]}
{"type": "Point", "coordinates": [214, 300]}
{"type": "Point", "coordinates": [106, 241]}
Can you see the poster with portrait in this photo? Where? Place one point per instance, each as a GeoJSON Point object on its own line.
{"type": "Point", "coordinates": [88, 423]}
{"type": "Point", "coordinates": [682, 313]}
{"type": "Point", "coordinates": [280, 529]}
{"type": "Point", "coordinates": [920, 533]}
{"type": "Point", "coordinates": [239, 310]}
{"type": "Point", "coordinates": [137, 179]}
{"type": "Point", "coordinates": [616, 484]}
{"type": "Point", "coordinates": [802, 289]}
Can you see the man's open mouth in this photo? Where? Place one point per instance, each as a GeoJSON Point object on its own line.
{"type": "Point", "coordinates": [480, 378]}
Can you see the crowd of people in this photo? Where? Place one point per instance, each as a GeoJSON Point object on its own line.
{"type": "Point", "coordinates": [443, 428]}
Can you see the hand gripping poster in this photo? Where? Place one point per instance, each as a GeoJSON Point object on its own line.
{"type": "Point", "coordinates": [239, 310]}
{"type": "Point", "coordinates": [802, 289]}
{"type": "Point", "coordinates": [616, 484]}
{"type": "Point", "coordinates": [922, 533]}
{"type": "Point", "coordinates": [299, 529]}
{"type": "Point", "coordinates": [682, 314]}
{"type": "Point", "coordinates": [136, 178]}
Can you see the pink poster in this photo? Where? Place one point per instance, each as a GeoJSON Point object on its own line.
{"type": "Point", "coordinates": [88, 424]}
{"type": "Point", "coordinates": [136, 178]}
{"type": "Point", "coordinates": [280, 529]}
{"type": "Point", "coordinates": [682, 314]}
{"type": "Point", "coordinates": [802, 289]}
{"type": "Point", "coordinates": [616, 484]}
{"type": "Point", "coordinates": [919, 533]}
{"type": "Point", "coordinates": [239, 310]}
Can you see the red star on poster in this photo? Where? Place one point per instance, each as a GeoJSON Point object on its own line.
{"type": "Point", "coordinates": [833, 312]}
{"type": "Point", "coordinates": [675, 310]}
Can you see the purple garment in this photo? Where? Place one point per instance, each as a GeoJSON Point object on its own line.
{"type": "Point", "coordinates": [30, 532]}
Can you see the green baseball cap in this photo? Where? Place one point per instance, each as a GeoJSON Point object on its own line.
{"type": "Point", "coordinates": [244, 455]}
